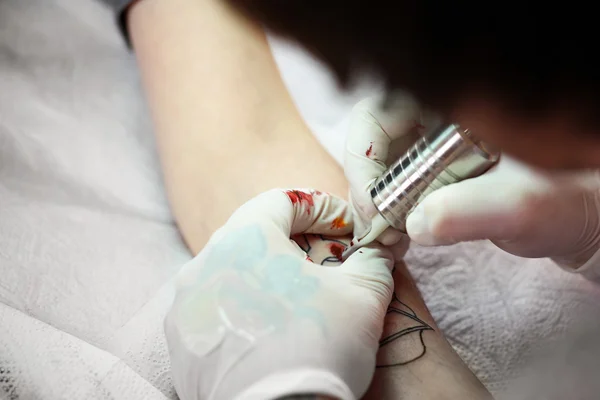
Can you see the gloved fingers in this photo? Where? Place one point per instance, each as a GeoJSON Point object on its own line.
{"type": "Point", "coordinates": [372, 130]}
{"type": "Point", "coordinates": [492, 206]}
{"type": "Point", "coordinates": [297, 211]}
{"type": "Point", "coordinates": [470, 210]}
{"type": "Point", "coordinates": [371, 267]}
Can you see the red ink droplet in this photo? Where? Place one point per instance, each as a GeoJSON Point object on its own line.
{"type": "Point", "coordinates": [337, 249]}
{"type": "Point", "coordinates": [352, 243]}
{"type": "Point", "coordinates": [369, 150]}
{"type": "Point", "coordinates": [338, 223]}
{"type": "Point", "coordinates": [301, 198]}
{"type": "Point", "coordinates": [418, 126]}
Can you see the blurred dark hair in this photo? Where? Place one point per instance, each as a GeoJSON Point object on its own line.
{"type": "Point", "coordinates": [528, 56]}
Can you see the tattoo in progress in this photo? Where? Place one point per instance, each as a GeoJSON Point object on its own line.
{"type": "Point", "coordinates": [402, 342]}
{"type": "Point", "coordinates": [403, 339]}
{"type": "Point", "coordinates": [332, 257]}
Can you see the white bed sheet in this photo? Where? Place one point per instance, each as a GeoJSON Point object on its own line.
{"type": "Point", "coordinates": [88, 247]}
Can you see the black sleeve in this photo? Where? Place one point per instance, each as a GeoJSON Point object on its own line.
{"type": "Point", "coordinates": [120, 7]}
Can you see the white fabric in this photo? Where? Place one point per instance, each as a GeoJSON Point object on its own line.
{"type": "Point", "coordinates": [87, 247]}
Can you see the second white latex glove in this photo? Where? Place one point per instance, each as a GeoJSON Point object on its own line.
{"type": "Point", "coordinates": [254, 318]}
{"type": "Point", "coordinates": [522, 210]}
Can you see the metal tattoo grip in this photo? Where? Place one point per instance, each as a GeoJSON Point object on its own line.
{"type": "Point", "coordinates": [445, 156]}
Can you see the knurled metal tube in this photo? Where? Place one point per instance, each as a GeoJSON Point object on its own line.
{"type": "Point", "coordinates": [445, 156]}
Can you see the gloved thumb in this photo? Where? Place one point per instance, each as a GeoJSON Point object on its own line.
{"type": "Point", "coordinates": [525, 218]}
{"type": "Point", "coordinates": [465, 211]}
{"type": "Point", "coordinates": [371, 267]}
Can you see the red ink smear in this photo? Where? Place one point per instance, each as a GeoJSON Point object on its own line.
{"type": "Point", "coordinates": [317, 193]}
{"type": "Point", "coordinates": [301, 198]}
{"type": "Point", "coordinates": [418, 125]}
{"type": "Point", "coordinates": [309, 259]}
{"type": "Point", "coordinates": [338, 223]}
{"type": "Point", "coordinates": [337, 249]}
{"type": "Point", "coordinates": [369, 150]}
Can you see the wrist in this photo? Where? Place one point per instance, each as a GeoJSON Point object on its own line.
{"type": "Point", "coordinates": [301, 383]}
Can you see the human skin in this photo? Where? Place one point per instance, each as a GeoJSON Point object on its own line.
{"type": "Point", "coordinates": [414, 361]}
{"type": "Point", "coordinates": [227, 130]}
{"type": "Point", "coordinates": [225, 124]}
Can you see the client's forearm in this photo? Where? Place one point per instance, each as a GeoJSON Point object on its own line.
{"type": "Point", "coordinates": [226, 126]}
{"type": "Point", "coordinates": [415, 361]}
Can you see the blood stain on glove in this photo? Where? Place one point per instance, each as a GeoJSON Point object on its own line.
{"type": "Point", "coordinates": [418, 126]}
{"type": "Point", "coordinates": [369, 150]}
{"type": "Point", "coordinates": [302, 198]}
{"type": "Point", "coordinates": [338, 223]}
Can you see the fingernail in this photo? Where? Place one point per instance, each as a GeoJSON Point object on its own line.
{"type": "Point", "coordinates": [418, 228]}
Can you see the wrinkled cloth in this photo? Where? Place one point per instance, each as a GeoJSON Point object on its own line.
{"type": "Point", "coordinates": [88, 249]}
{"type": "Point", "coordinates": [87, 243]}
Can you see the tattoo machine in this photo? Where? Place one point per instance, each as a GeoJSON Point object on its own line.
{"type": "Point", "coordinates": [447, 155]}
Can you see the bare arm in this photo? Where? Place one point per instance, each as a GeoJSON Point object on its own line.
{"type": "Point", "coordinates": [414, 360]}
{"type": "Point", "coordinates": [226, 127]}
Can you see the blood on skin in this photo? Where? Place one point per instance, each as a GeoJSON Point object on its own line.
{"type": "Point", "coordinates": [337, 249]}
{"type": "Point", "coordinates": [338, 223]}
{"type": "Point", "coordinates": [369, 150]}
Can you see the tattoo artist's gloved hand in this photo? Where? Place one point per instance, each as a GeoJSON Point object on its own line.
{"type": "Point", "coordinates": [379, 134]}
{"type": "Point", "coordinates": [523, 211]}
{"type": "Point", "coordinates": [254, 318]}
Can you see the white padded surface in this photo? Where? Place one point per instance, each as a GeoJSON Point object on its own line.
{"type": "Point", "coordinates": [87, 245]}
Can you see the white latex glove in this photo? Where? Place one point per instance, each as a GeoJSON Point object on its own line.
{"type": "Point", "coordinates": [255, 319]}
{"type": "Point", "coordinates": [378, 137]}
{"type": "Point", "coordinates": [522, 210]}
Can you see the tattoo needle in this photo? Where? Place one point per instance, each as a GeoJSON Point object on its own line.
{"type": "Point", "coordinates": [378, 226]}
{"type": "Point", "coordinates": [442, 157]}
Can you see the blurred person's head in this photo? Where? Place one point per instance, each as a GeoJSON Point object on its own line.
{"type": "Point", "coordinates": [520, 75]}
